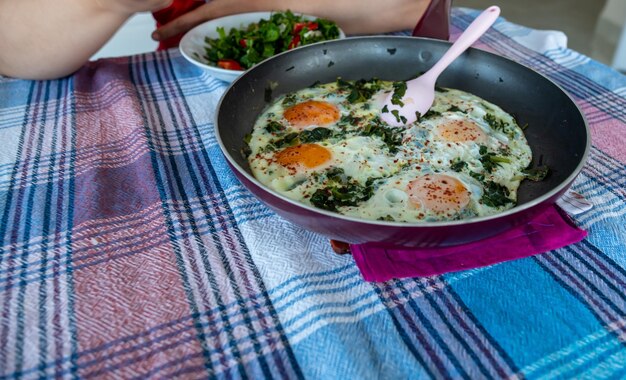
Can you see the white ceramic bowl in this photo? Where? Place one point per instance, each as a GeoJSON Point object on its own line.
{"type": "Point", "coordinates": [192, 45]}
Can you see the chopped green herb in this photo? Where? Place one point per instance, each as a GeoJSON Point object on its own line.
{"type": "Point", "coordinates": [392, 137]}
{"type": "Point", "coordinates": [349, 120]}
{"type": "Point", "coordinates": [274, 126]}
{"type": "Point", "coordinates": [454, 108]}
{"type": "Point", "coordinates": [458, 165]}
{"type": "Point", "coordinates": [431, 113]}
{"type": "Point", "coordinates": [289, 100]}
{"type": "Point", "coordinates": [360, 90]}
{"type": "Point", "coordinates": [495, 123]}
{"type": "Point", "coordinates": [499, 160]}
{"type": "Point", "coordinates": [399, 118]}
{"type": "Point", "coordinates": [399, 89]}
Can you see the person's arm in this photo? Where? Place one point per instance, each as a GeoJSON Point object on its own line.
{"type": "Point", "coordinates": [353, 16]}
{"type": "Point", "coordinates": [43, 39]}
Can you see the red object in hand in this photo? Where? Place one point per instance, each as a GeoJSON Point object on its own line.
{"type": "Point", "coordinates": [435, 23]}
{"type": "Point", "coordinates": [165, 15]}
{"type": "Point", "coordinates": [229, 64]}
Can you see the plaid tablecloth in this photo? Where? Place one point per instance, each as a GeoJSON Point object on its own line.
{"type": "Point", "coordinates": [129, 250]}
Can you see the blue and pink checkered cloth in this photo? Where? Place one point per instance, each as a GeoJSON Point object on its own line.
{"type": "Point", "coordinates": [129, 250]}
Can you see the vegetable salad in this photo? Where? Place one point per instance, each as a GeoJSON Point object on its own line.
{"type": "Point", "coordinates": [240, 49]}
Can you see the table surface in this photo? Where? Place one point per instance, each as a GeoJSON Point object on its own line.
{"type": "Point", "coordinates": [129, 250]}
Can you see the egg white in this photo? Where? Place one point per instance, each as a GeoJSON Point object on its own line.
{"type": "Point", "coordinates": [365, 159]}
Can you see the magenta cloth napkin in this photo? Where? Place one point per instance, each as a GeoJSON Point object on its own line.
{"type": "Point", "coordinates": [550, 230]}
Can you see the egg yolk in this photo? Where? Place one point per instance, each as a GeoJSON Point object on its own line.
{"type": "Point", "coordinates": [460, 131]}
{"type": "Point", "coordinates": [311, 112]}
{"type": "Point", "coordinates": [439, 193]}
{"type": "Point", "coordinates": [307, 155]}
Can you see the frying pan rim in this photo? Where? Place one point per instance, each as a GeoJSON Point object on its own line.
{"type": "Point", "coordinates": [517, 209]}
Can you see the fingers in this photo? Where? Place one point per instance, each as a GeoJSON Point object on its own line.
{"type": "Point", "coordinates": [182, 24]}
{"type": "Point", "coordinates": [210, 10]}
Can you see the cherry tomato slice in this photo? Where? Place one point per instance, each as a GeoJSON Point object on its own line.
{"type": "Point", "coordinates": [300, 25]}
{"type": "Point", "coordinates": [229, 64]}
{"type": "Point", "coordinates": [294, 42]}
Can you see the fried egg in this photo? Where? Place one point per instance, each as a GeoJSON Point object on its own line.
{"type": "Point", "coordinates": [311, 112]}
{"type": "Point", "coordinates": [327, 146]}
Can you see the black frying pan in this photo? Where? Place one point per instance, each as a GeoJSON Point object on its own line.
{"type": "Point", "coordinates": [557, 131]}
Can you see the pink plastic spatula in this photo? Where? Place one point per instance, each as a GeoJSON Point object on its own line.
{"type": "Point", "coordinates": [420, 92]}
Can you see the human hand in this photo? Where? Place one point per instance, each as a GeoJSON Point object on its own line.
{"type": "Point", "coordinates": [129, 7]}
{"type": "Point", "coordinates": [208, 11]}
{"type": "Point", "coordinates": [353, 16]}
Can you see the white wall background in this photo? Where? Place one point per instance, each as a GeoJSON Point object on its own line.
{"type": "Point", "coordinates": [609, 42]}
{"type": "Point", "coordinates": [132, 38]}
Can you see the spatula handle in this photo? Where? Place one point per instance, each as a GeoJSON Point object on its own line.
{"type": "Point", "coordinates": [473, 32]}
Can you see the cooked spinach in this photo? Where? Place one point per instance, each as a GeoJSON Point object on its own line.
{"type": "Point", "coordinates": [289, 139]}
{"type": "Point", "coordinates": [495, 195]}
{"type": "Point", "coordinates": [274, 126]}
{"type": "Point", "coordinates": [477, 176]}
{"type": "Point", "coordinates": [392, 137]}
{"type": "Point", "coordinates": [314, 135]}
{"type": "Point", "coordinates": [536, 174]}
{"type": "Point", "coordinates": [341, 190]}
{"type": "Point", "coordinates": [349, 120]}
{"type": "Point", "coordinates": [491, 160]}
